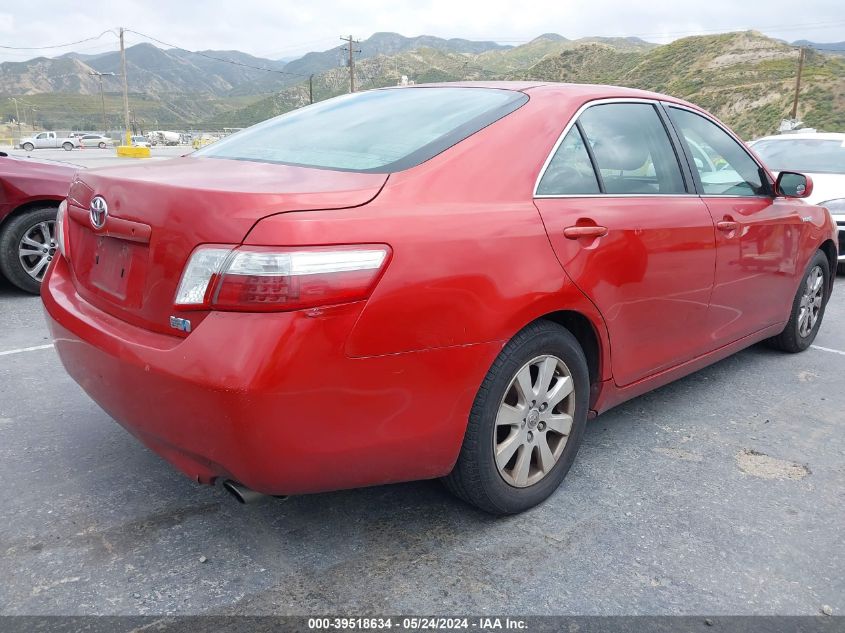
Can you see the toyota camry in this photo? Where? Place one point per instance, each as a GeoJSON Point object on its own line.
{"type": "Point", "coordinates": [422, 282]}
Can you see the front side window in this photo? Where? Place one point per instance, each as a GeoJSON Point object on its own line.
{"type": "Point", "coordinates": [723, 166]}
{"type": "Point", "coordinates": [377, 131]}
{"type": "Point", "coordinates": [632, 149]}
{"type": "Point", "coordinates": [570, 171]}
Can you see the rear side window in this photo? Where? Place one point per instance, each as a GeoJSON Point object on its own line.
{"type": "Point", "coordinates": [377, 131]}
{"type": "Point", "coordinates": [723, 166]}
{"type": "Point", "coordinates": [632, 149]}
{"type": "Point", "coordinates": [570, 171]}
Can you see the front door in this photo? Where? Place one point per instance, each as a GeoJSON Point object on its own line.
{"type": "Point", "coordinates": [757, 236]}
{"type": "Point", "coordinates": [631, 235]}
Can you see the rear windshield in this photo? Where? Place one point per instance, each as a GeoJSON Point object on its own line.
{"type": "Point", "coordinates": [377, 131]}
{"type": "Point", "coordinates": [803, 154]}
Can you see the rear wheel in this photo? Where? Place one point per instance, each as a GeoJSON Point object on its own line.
{"type": "Point", "coordinates": [67, 146]}
{"type": "Point", "coordinates": [28, 147]}
{"type": "Point", "coordinates": [27, 246]}
{"type": "Point", "coordinates": [526, 423]}
{"type": "Point", "coordinates": [807, 308]}
{"type": "Point", "coordinates": [102, 145]}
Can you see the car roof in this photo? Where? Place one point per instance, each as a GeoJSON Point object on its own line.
{"type": "Point", "coordinates": [820, 136]}
{"type": "Point", "coordinates": [580, 92]}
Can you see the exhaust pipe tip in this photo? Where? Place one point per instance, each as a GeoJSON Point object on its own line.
{"type": "Point", "coordinates": [241, 493]}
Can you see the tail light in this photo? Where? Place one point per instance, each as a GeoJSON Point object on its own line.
{"type": "Point", "coordinates": [261, 279]}
{"type": "Point", "coordinates": [61, 232]}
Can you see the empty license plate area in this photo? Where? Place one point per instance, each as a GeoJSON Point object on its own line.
{"type": "Point", "coordinates": [115, 267]}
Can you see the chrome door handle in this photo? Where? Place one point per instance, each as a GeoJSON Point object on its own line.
{"type": "Point", "coordinates": [727, 226]}
{"type": "Point", "coordinates": [577, 232]}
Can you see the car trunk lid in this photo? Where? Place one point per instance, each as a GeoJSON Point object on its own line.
{"type": "Point", "coordinates": [160, 211]}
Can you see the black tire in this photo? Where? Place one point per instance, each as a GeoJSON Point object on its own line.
{"type": "Point", "coordinates": [67, 146]}
{"type": "Point", "coordinates": [10, 237]}
{"type": "Point", "coordinates": [791, 340]}
{"type": "Point", "coordinates": [28, 147]}
{"type": "Point", "coordinates": [102, 145]}
{"type": "Point", "coordinates": [476, 477]}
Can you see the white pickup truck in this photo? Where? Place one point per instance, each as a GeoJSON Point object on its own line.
{"type": "Point", "coordinates": [44, 140]}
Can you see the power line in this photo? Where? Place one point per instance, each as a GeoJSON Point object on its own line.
{"type": "Point", "coordinates": [219, 59]}
{"type": "Point", "coordinates": [292, 47]}
{"type": "Point", "coordinates": [38, 48]}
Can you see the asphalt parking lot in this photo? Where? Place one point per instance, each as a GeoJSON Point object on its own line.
{"type": "Point", "coordinates": [723, 493]}
{"type": "Point", "coordinates": [95, 157]}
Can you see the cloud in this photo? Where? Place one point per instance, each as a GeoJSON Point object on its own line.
{"type": "Point", "coordinates": [7, 23]}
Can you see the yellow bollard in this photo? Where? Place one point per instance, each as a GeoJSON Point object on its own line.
{"type": "Point", "coordinates": [129, 151]}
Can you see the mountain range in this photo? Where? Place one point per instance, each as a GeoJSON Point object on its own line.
{"type": "Point", "coordinates": [745, 78]}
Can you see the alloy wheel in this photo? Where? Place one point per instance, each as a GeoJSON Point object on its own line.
{"type": "Point", "coordinates": [534, 421]}
{"type": "Point", "coordinates": [811, 301]}
{"type": "Point", "coordinates": [37, 249]}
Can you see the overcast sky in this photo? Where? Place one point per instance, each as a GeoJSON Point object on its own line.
{"type": "Point", "coordinates": [284, 28]}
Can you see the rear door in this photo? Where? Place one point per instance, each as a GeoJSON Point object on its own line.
{"type": "Point", "coordinates": [629, 230]}
{"type": "Point", "coordinates": [757, 236]}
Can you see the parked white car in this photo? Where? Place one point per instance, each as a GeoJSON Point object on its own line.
{"type": "Point", "coordinates": [95, 140]}
{"type": "Point", "coordinates": [47, 140]}
{"type": "Point", "coordinates": [822, 157]}
{"type": "Point", "coordinates": [140, 141]}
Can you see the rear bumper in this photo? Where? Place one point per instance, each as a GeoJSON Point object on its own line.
{"type": "Point", "coordinates": [271, 400]}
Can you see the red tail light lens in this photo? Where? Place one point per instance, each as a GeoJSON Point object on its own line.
{"type": "Point", "coordinates": [259, 279]}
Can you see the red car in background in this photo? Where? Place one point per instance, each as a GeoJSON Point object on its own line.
{"type": "Point", "coordinates": [30, 193]}
{"type": "Point", "coordinates": [432, 281]}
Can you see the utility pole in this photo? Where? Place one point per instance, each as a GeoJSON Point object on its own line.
{"type": "Point", "coordinates": [102, 97]}
{"type": "Point", "coordinates": [311, 88]}
{"type": "Point", "coordinates": [125, 89]}
{"type": "Point", "coordinates": [351, 41]}
{"type": "Point", "coordinates": [801, 52]}
{"type": "Point", "coordinates": [17, 116]}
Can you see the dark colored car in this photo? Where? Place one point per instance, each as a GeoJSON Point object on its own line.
{"type": "Point", "coordinates": [30, 193]}
{"type": "Point", "coordinates": [420, 282]}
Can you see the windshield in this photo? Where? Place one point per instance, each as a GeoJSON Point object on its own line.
{"type": "Point", "coordinates": [820, 156]}
{"type": "Point", "coordinates": [377, 131]}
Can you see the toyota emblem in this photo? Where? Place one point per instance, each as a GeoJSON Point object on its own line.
{"type": "Point", "coordinates": [99, 211]}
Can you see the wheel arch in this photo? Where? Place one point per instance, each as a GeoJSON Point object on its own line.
{"type": "Point", "coordinates": [587, 326]}
{"type": "Point", "coordinates": [829, 249]}
{"type": "Point", "coordinates": [28, 206]}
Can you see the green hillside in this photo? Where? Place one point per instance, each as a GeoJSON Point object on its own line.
{"type": "Point", "coordinates": [746, 78]}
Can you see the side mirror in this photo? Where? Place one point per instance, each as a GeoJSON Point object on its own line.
{"type": "Point", "coordinates": [793, 185]}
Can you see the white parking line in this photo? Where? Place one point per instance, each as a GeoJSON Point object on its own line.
{"type": "Point", "coordinates": [827, 349]}
{"type": "Point", "coordinates": [25, 349]}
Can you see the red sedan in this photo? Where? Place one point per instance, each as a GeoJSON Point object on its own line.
{"type": "Point", "coordinates": [30, 193]}
{"type": "Point", "coordinates": [433, 281]}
